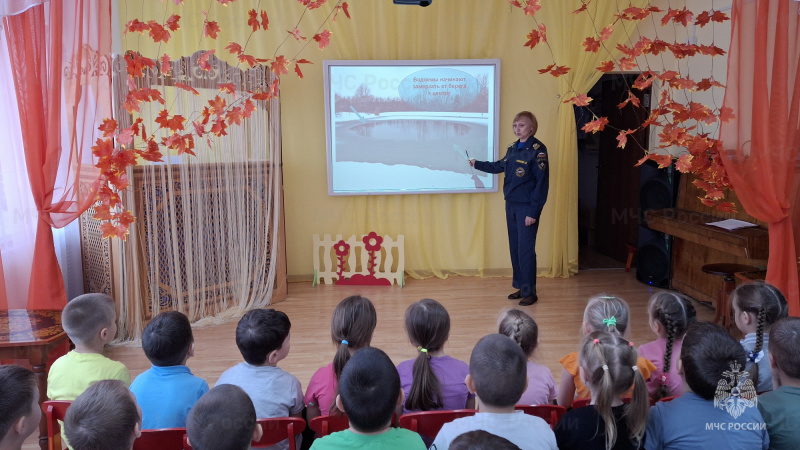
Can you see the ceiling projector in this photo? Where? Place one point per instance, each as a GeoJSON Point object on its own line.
{"type": "Point", "coordinates": [413, 2]}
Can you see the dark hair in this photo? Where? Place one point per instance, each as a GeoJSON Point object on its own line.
{"type": "Point", "coordinates": [609, 362]}
{"type": "Point", "coordinates": [708, 352]}
{"type": "Point", "coordinates": [498, 369]}
{"type": "Point", "coordinates": [369, 389]}
{"type": "Point", "coordinates": [531, 118]}
{"type": "Point", "coordinates": [260, 332]}
{"type": "Point", "coordinates": [223, 419]}
{"type": "Point", "coordinates": [352, 324]}
{"type": "Point", "coordinates": [481, 440]}
{"type": "Point", "coordinates": [17, 388]}
{"type": "Point", "coordinates": [167, 338]}
{"type": "Point", "coordinates": [103, 417]}
{"type": "Point", "coordinates": [522, 329]}
{"type": "Point", "coordinates": [428, 327]}
{"type": "Point", "coordinates": [675, 312]}
{"type": "Point", "coordinates": [784, 345]}
{"type": "Point", "coordinates": [87, 314]}
{"type": "Point", "coordinates": [767, 303]}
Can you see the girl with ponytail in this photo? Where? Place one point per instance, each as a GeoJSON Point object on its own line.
{"type": "Point", "coordinates": [522, 329]}
{"type": "Point", "coordinates": [352, 325]}
{"type": "Point", "coordinates": [756, 306]}
{"type": "Point", "coordinates": [671, 313]}
{"type": "Point", "coordinates": [432, 380]}
{"type": "Point", "coordinates": [608, 367]}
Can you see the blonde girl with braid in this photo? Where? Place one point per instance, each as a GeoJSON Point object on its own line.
{"type": "Point", "coordinates": [603, 313]}
{"type": "Point", "coordinates": [671, 313]}
{"type": "Point", "coordinates": [608, 366]}
{"type": "Point", "coordinates": [432, 380]}
{"type": "Point", "coordinates": [522, 329]}
{"type": "Point", "coordinates": [756, 306]}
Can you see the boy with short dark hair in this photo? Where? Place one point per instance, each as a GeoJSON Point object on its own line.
{"type": "Point", "coordinates": [19, 406]}
{"type": "Point", "coordinates": [167, 391]}
{"type": "Point", "coordinates": [498, 377]}
{"type": "Point", "coordinates": [104, 416]}
{"type": "Point", "coordinates": [263, 339]}
{"type": "Point", "coordinates": [90, 321]}
{"type": "Point", "coordinates": [780, 408]}
{"type": "Point", "coordinates": [369, 393]}
{"type": "Point", "coordinates": [223, 419]}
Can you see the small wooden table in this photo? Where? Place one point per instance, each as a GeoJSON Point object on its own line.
{"type": "Point", "coordinates": [31, 335]}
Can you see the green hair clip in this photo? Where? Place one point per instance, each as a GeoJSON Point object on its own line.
{"type": "Point", "coordinates": [610, 322]}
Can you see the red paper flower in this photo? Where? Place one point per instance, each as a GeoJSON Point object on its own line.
{"type": "Point", "coordinates": [369, 239]}
{"type": "Point", "coordinates": [342, 248]}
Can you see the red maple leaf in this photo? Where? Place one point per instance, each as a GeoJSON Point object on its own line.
{"type": "Point", "coordinates": [252, 19]}
{"type": "Point", "coordinates": [711, 50]}
{"type": "Point", "coordinates": [298, 71]}
{"type": "Point", "coordinates": [135, 26]}
{"type": "Point", "coordinates": [595, 125]}
{"type": "Point", "coordinates": [109, 127]}
{"type": "Point", "coordinates": [681, 16]}
{"type": "Point", "coordinates": [153, 152]}
{"type": "Point", "coordinates": [125, 136]}
{"type": "Point", "coordinates": [534, 37]}
{"type": "Point", "coordinates": [102, 212]}
{"type": "Point", "coordinates": [719, 17]}
{"type": "Point", "coordinates": [173, 123]}
{"type": "Point", "coordinates": [248, 59]}
{"type": "Point", "coordinates": [249, 109]}
{"type": "Point", "coordinates": [656, 47]}
{"type": "Point", "coordinates": [682, 83]}
{"type": "Point", "coordinates": [324, 39]}
{"type": "Point", "coordinates": [183, 143]}
{"type": "Point", "coordinates": [606, 33]}
{"type": "Point", "coordinates": [532, 7]}
{"type": "Point", "coordinates": [119, 180]}
{"type": "Point", "coordinates": [628, 63]}
{"type": "Point", "coordinates": [727, 207]}
{"type": "Point", "coordinates": [668, 75]}
{"type": "Point", "coordinates": [103, 148]}
{"type": "Point", "coordinates": [581, 9]}
{"type": "Point", "coordinates": [234, 115]}
{"type": "Point", "coordinates": [547, 69]}
{"type": "Point", "coordinates": [606, 66]}
{"type": "Point", "coordinates": [264, 20]}
{"type": "Point", "coordinates": [634, 13]}
{"type": "Point", "coordinates": [234, 48]}
{"type": "Point", "coordinates": [219, 127]}
{"type": "Point", "coordinates": [107, 196]}
{"type": "Point", "coordinates": [579, 100]}
{"type": "Point", "coordinates": [515, 3]}
{"type": "Point", "coordinates": [622, 137]}
{"type": "Point", "coordinates": [230, 88]}
{"type": "Point", "coordinates": [344, 8]}
{"type": "Point", "coordinates": [726, 114]}
{"type": "Point", "coordinates": [110, 230]}
{"type": "Point", "coordinates": [166, 64]}
{"type": "Point", "coordinates": [557, 71]}
{"type": "Point", "coordinates": [173, 23]}
{"type": "Point", "coordinates": [296, 35]}
{"type": "Point", "coordinates": [280, 65]}
{"type": "Point", "coordinates": [136, 64]}
{"type": "Point", "coordinates": [210, 29]}
{"type": "Point", "coordinates": [186, 87]}
{"type": "Point", "coordinates": [591, 44]}
{"type": "Point", "coordinates": [702, 19]}
{"type": "Point", "coordinates": [218, 105]}
{"type": "Point", "coordinates": [203, 60]}
{"type": "Point", "coordinates": [631, 99]}
{"type": "Point", "coordinates": [684, 163]}
{"type": "Point", "coordinates": [158, 33]}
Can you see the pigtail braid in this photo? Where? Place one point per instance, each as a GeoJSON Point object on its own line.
{"type": "Point", "coordinates": [669, 324]}
{"type": "Point", "coordinates": [636, 412]}
{"type": "Point", "coordinates": [605, 395]}
{"type": "Point", "coordinates": [762, 317]}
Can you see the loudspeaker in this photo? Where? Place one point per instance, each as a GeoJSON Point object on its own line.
{"type": "Point", "coordinates": [658, 189]}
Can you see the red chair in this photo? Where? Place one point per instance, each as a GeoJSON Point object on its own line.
{"type": "Point", "coordinates": [54, 410]}
{"type": "Point", "coordinates": [325, 425]}
{"type": "Point", "coordinates": [550, 413]}
{"type": "Point", "coordinates": [581, 402]}
{"type": "Point", "coordinates": [669, 399]}
{"type": "Point", "coordinates": [280, 428]}
{"type": "Point", "coordinates": [428, 423]}
{"type": "Point", "coordinates": [163, 438]}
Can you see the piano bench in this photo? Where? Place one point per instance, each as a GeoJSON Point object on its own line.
{"type": "Point", "coordinates": [728, 273]}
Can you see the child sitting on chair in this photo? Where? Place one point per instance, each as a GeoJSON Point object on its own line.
{"type": "Point", "coordinates": [497, 375]}
{"type": "Point", "coordinates": [104, 416]}
{"type": "Point", "coordinates": [223, 418]}
{"type": "Point", "coordinates": [369, 393]}
{"type": "Point", "coordinates": [781, 407]}
{"type": "Point", "coordinates": [167, 391]}
{"type": "Point", "coordinates": [19, 406]}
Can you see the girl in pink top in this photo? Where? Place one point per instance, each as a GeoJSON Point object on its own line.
{"type": "Point", "coordinates": [352, 324]}
{"type": "Point", "coordinates": [523, 330]}
{"type": "Point", "coordinates": [671, 314]}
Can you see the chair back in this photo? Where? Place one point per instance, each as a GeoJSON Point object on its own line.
{"type": "Point", "coordinates": [163, 439]}
{"type": "Point", "coordinates": [668, 399]}
{"type": "Point", "coordinates": [331, 423]}
{"type": "Point", "coordinates": [54, 410]}
{"type": "Point", "coordinates": [428, 423]}
{"type": "Point", "coordinates": [550, 413]}
{"type": "Point", "coordinates": [278, 429]}
{"type": "Point", "coordinates": [581, 402]}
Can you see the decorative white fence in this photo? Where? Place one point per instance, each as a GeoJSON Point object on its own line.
{"type": "Point", "coordinates": [388, 262]}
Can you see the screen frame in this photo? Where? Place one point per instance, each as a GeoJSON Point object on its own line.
{"type": "Point", "coordinates": [328, 64]}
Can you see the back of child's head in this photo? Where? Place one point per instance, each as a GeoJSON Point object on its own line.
{"type": "Point", "coordinates": [481, 440]}
{"type": "Point", "coordinates": [607, 313]}
{"type": "Point", "coordinates": [369, 389]}
{"type": "Point", "coordinates": [353, 321]}
{"type": "Point", "coordinates": [104, 416]}
{"type": "Point", "coordinates": [166, 340]}
{"type": "Point", "coordinates": [784, 346]}
{"type": "Point", "coordinates": [767, 304]}
{"type": "Point", "coordinates": [428, 327]}
{"type": "Point", "coordinates": [675, 312]}
{"type": "Point", "coordinates": [18, 398]}
{"type": "Point", "coordinates": [499, 371]}
{"type": "Point", "coordinates": [223, 419]}
{"type": "Point", "coordinates": [260, 332]}
{"type": "Point", "coordinates": [522, 329]}
{"type": "Point", "coordinates": [87, 314]}
{"type": "Point", "coordinates": [609, 364]}
{"type": "Point", "coordinates": [709, 351]}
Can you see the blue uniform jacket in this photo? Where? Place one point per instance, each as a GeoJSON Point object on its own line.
{"type": "Point", "coordinates": [527, 174]}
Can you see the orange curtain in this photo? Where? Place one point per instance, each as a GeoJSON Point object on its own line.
{"type": "Point", "coordinates": [761, 144]}
{"type": "Point", "coordinates": [59, 58]}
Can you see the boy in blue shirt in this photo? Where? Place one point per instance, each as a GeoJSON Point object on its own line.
{"type": "Point", "coordinates": [167, 391]}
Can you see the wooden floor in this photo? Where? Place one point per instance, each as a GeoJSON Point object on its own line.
{"type": "Point", "coordinates": [474, 305]}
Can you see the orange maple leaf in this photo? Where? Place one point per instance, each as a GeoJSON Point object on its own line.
{"type": "Point", "coordinates": [218, 105]}
{"type": "Point", "coordinates": [234, 115]}
{"type": "Point", "coordinates": [264, 20]}
{"type": "Point", "coordinates": [102, 212]}
{"type": "Point", "coordinates": [711, 50]}
{"type": "Point", "coordinates": [280, 65]}
{"type": "Point", "coordinates": [628, 63]}
{"type": "Point", "coordinates": [153, 153]}
{"type": "Point", "coordinates": [173, 123]}
{"type": "Point", "coordinates": [547, 69]}
{"type": "Point", "coordinates": [557, 71]}
{"type": "Point", "coordinates": [136, 64]}
{"type": "Point", "coordinates": [219, 127]}
{"type": "Point", "coordinates": [591, 44]}
{"type": "Point", "coordinates": [532, 7]}
{"type": "Point", "coordinates": [110, 230]}
{"type": "Point", "coordinates": [234, 48]}
{"type": "Point", "coordinates": [534, 37]}
{"type": "Point", "coordinates": [684, 163]}
{"type": "Point", "coordinates": [230, 88]}
{"type": "Point", "coordinates": [186, 87]}
{"type": "Point", "coordinates": [248, 59]}
{"type": "Point", "coordinates": [682, 16]}
{"type": "Point", "coordinates": [324, 39]}
{"type": "Point", "coordinates": [579, 100]}
{"type": "Point", "coordinates": [107, 196]}
{"type": "Point", "coordinates": [252, 19]}
{"type": "Point", "coordinates": [662, 160]}
{"type": "Point", "coordinates": [183, 143]}
{"type": "Point", "coordinates": [631, 99]}
{"type": "Point", "coordinates": [606, 66]}
{"type": "Point", "coordinates": [210, 29]}
{"type": "Point", "coordinates": [109, 127]}
{"type": "Point", "coordinates": [622, 137]}
{"type": "Point", "coordinates": [595, 125]}
{"type": "Point", "coordinates": [103, 148]}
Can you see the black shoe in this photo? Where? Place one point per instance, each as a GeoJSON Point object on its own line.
{"type": "Point", "coordinates": [529, 300]}
{"type": "Point", "coordinates": [515, 295]}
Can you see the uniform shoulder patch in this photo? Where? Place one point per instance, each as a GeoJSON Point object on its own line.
{"type": "Point", "coordinates": [541, 161]}
{"type": "Point", "coordinates": [536, 146]}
